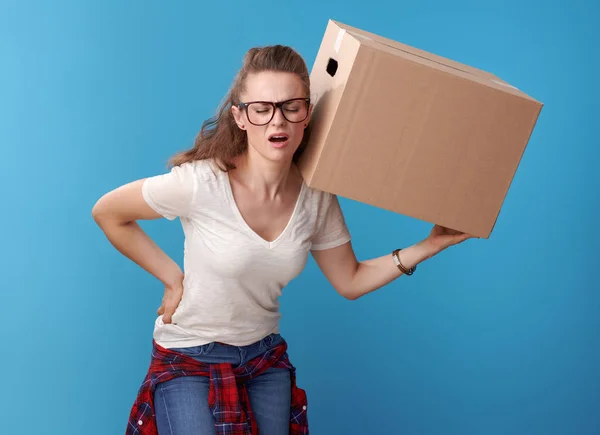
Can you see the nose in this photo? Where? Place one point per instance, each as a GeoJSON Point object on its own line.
{"type": "Point", "coordinates": [278, 118]}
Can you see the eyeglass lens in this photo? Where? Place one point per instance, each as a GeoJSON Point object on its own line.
{"type": "Point", "coordinates": [262, 113]}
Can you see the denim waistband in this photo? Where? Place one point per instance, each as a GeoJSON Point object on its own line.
{"type": "Point", "coordinates": [215, 352]}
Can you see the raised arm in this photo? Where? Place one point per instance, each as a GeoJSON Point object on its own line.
{"type": "Point", "coordinates": [353, 279]}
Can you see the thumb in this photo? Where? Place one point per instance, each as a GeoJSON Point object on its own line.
{"type": "Point", "coordinates": [161, 309]}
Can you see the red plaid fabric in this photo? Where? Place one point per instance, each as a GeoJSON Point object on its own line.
{"type": "Point", "coordinates": [228, 398]}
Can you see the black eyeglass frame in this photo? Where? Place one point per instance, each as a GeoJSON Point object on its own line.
{"type": "Point", "coordinates": [279, 105]}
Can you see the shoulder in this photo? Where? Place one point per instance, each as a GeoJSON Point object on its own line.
{"type": "Point", "coordinates": [184, 180]}
{"type": "Point", "coordinates": [330, 228]}
{"type": "Point", "coordinates": [202, 176]}
{"type": "Point", "coordinates": [321, 205]}
{"type": "Point", "coordinates": [319, 199]}
{"type": "Point", "coordinates": [202, 170]}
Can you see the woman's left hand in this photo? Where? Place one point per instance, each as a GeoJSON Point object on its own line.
{"type": "Point", "coordinates": [441, 238]}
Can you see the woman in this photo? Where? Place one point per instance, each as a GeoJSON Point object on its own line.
{"type": "Point", "coordinates": [249, 224]}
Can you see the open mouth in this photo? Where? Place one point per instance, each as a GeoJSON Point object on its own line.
{"type": "Point", "coordinates": [278, 138]}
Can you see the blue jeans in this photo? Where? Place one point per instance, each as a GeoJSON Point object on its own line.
{"type": "Point", "coordinates": [181, 404]}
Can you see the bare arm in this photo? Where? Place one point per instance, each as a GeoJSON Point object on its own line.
{"type": "Point", "coordinates": [116, 214]}
{"type": "Point", "coordinates": [353, 279]}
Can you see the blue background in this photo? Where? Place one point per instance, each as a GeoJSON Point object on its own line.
{"type": "Point", "coordinates": [498, 336]}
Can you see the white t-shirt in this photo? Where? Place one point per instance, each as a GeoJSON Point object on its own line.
{"type": "Point", "coordinates": [234, 277]}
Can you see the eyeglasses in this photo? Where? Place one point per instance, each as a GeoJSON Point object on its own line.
{"type": "Point", "coordinates": [262, 112]}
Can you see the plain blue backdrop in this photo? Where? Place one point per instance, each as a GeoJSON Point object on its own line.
{"type": "Point", "coordinates": [498, 336]}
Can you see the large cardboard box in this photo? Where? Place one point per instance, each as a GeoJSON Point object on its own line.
{"type": "Point", "coordinates": [412, 132]}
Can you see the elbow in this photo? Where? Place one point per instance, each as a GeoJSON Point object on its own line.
{"type": "Point", "coordinates": [98, 212]}
{"type": "Point", "coordinates": [353, 293]}
{"type": "Point", "coordinates": [106, 216]}
{"type": "Point", "coordinates": [101, 213]}
{"type": "Point", "coordinates": [348, 293]}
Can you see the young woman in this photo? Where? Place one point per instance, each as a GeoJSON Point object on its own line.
{"type": "Point", "coordinates": [249, 223]}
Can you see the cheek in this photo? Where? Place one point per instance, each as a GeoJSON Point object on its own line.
{"type": "Point", "coordinates": [298, 130]}
{"type": "Point", "coordinates": [255, 133]}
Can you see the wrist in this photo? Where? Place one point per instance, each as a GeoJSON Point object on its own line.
{"type": "Point", "coordinates": [414, 255]}
{"type": "Point", "coordinates": [427, 249]}
{"type": "Point", "coordinates": [173, 278]}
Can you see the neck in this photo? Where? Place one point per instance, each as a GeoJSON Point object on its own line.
{"type": "Point", "coordinates": [265, 178]}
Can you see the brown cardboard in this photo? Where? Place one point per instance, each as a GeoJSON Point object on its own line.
{"type": "Point", "coordinates": [412, 132]}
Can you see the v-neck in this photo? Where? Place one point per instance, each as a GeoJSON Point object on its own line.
{"type": "Point", "coordinates": [267, 244]}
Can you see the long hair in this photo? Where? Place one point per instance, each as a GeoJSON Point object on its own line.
{"type": "Point", "coordinates": [220, 138]}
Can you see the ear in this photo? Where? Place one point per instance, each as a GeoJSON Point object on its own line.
{"type": "Point", "coordinates": [238, 115]}
{"type": "Point", "coordinates": [310, 111]}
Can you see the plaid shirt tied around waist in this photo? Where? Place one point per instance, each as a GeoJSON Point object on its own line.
{"type": "Point", "coordinates": [227, 398]}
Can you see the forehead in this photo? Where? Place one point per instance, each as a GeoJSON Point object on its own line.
{"type": "Point", "coordinates": [272, 86]}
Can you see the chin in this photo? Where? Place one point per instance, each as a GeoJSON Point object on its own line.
{"type": "Point", "coordinates": [279, 152]}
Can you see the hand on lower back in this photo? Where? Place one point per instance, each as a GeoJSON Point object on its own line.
{"type": "Point", "coordinates": [170, 301]}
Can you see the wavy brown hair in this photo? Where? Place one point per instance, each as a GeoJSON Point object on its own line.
{"type": "Point", "coordinates": [220, 138]}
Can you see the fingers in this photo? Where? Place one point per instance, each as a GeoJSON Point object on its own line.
{"type": "Point", "coordinates": [458, 238]}
{"type": "Point", "coordinates": [168, 311]}
{"type": "Point", "coordinates": [170, 302]}
{"type": "Point", "coordinates": [168, 314]}
{"type": "Point", "coordinates": [464, 236]}
{"type": "Point", "coordinates": [170, 305]}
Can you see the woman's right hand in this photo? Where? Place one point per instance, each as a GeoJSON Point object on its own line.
{"type": "Point", "coordinates": [117, 213]}
{"type": "Point", "coordinates": [170, 301]}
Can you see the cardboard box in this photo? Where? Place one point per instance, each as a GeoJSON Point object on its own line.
{"type": "Point", "coordinates": [412, 132]}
